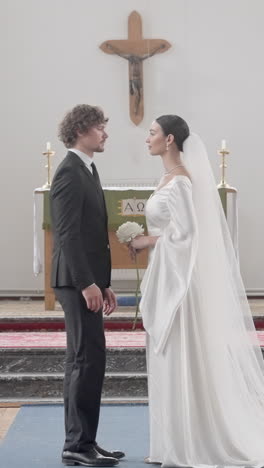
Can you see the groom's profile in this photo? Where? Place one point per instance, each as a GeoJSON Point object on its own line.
{"type": "Point", "coordinates": [81, 271]}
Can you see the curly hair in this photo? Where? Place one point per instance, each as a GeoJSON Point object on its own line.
{"type": "Point", "coordinates": [80, 119]}
{"type": "Point", "coordinates": [176, 126]}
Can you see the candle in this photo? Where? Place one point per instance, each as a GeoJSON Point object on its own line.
{"type": "Point", "coordinates": [48, 146]}
{"type": "Point", "coordinates": [223, 144]}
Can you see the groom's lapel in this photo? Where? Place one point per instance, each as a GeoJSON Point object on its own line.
{"type": "Point", "coordinates": [96, 183]}
{"type": "Point", "coordinates": [84, 168]}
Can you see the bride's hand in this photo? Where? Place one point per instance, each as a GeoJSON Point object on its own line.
{"type": "Point", "coordinates": [132, 253]}
{"type": "Point", "coordinates": [139, 243]}
{"type": "Point", "coordinates": [136, 245]}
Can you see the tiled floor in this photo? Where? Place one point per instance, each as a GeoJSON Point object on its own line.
{"type": "Point", "coordinates": [7, 416]}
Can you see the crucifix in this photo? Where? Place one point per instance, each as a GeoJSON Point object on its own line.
{"type": "Point", "coordinates": [135, 50]}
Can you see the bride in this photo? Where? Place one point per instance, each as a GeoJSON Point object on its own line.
{"type": "Point", "coordinates": [205, 367]}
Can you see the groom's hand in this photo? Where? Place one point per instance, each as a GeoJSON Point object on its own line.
{"type": "Point", "coordinates": [110, 302]}
{"type": "Point", "coordinates": [93, 297]}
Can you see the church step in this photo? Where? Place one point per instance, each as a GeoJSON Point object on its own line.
{"type": "Point", "coordinates": [51, 360]}
{"type": "Point", "coordinates": [57, 324]}
{"type": "Point", "coordinates": [117, 326]}
{"type": "Point", "coordinates": [45, 351]}
{"type": "Point", "coordinates": [259, 322]}
{"type": "Point", "coordinates": [51, 340]}
{"type": "Point", "coordinates": [31, 365]}
{"type": "Point", "coordinates": [117, 322]}
{"type": "Point", "coordinates": [36, 320]}
{"type": "Point", "coordinates": [14, 402]}
{"type": "Point", "coordinates": [22, 315]}
{"type": "Point", "coordinates": [45, 385]}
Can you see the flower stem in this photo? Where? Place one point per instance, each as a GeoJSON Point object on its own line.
{"type": "Point", "coordinates": [137, 298]}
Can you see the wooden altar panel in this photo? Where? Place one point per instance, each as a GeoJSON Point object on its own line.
{"type": "Point", "coordinates": [120, 255]}
{"type": "Point", "coordinates": [49, 293]}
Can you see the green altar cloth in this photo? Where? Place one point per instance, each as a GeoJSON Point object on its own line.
{"type": "Point", "coordinates": [126, 205]}
{"type": "Point", "coordinates": [122, 205]}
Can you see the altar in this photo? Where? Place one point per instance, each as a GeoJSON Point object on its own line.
{"type": "Point", "coordinates": [123, 203]}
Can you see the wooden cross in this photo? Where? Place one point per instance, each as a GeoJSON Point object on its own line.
{"type": "Point", "coordinates": [135, 49]}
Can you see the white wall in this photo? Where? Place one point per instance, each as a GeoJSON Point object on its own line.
{"type": "Point", "coordinates": [213, 76]}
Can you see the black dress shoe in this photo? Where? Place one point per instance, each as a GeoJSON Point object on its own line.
{"type": "Point", "coordinates": [89, 458]}
{"type": "Point", "coordinates": [115, 453]}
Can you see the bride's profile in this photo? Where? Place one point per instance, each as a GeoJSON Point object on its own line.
{"type": "Point", "coordinates": [205, 366]}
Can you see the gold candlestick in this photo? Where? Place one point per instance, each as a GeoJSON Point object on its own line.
{"type": "Point", "coordinates": [224, 188]}
{"type": "Point", "coordinates": [223, 152]}
{"type": "Point", "coordinates": [48, 153]}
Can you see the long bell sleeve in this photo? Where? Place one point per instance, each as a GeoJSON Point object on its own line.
{"type": "Point", "coordinates": [167, 278]}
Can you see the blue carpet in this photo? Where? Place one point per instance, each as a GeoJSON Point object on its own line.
{"type": "Point", "coordinates": [35, 438]}
{"type": "Point", "coordinates": [127, 301]}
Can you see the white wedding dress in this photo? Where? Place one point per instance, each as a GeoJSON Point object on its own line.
{"type": "Point", "coordinates": [206, 387]}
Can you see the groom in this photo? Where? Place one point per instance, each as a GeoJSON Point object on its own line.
{"type": "Point", "coordinates": [81, 269]}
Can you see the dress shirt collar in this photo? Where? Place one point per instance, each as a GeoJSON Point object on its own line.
{"type": "Point", "coordinates": [84, 157]}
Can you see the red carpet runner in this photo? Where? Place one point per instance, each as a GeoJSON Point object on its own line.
{"type": "Point", "coordinates": [58, 339]}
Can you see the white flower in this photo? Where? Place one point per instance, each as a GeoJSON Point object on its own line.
{"type": "Point", "coordinates": [128, 231]}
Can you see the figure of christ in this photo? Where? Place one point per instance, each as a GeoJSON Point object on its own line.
{"type": "Point", "coordinates": [135, 72]}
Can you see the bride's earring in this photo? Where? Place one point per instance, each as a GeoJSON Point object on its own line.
{"type": "Point", "coordinates": [167, 146]}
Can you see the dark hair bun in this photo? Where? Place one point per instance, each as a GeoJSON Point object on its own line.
{"type": "Point", "coordinates": [176, 126]}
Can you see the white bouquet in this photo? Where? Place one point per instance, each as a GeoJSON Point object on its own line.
{"type": "Point", "coordinates": [128, 231]}
{"type": "Point", "coordinates": [125, 234]}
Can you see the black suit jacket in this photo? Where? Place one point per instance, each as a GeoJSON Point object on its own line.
{"type": "Point", "coordinates": [81, 253]}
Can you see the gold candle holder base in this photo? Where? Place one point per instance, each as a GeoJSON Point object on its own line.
{"type": "Point", "coordinates": [223, 187]}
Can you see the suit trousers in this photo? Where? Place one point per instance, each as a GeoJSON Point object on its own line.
{"type": "Point", "coordinates": [84, 371]}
